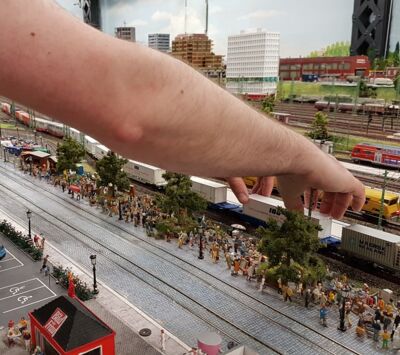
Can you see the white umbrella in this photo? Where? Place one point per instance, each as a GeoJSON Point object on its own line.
{"type": "Point", "coordinates": [238, 226]}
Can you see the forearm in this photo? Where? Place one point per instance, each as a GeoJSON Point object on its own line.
{"type": "Point", "coordinates": [141, 103]}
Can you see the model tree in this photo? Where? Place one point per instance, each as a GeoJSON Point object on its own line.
{"type": "Point", "coordinates": [69, 153]}
{"type": "Point", "coordinates": [179, 199]}
{"type": "Point", "coordinates": [319, 127]}
{"type": "Point", "coordinates": [110, 170]}
{"type": "Point", "coordinates": [291, 247]}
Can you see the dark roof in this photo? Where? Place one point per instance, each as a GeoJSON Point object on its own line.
{"type": "Point", "coordinates": [80, 328]}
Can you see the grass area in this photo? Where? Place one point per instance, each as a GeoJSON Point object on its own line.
{"type": "Point", "coordinates": [88, 168]}
{"type": "Point", "coordinates": [7, 126]}
{"type": "Point", "coordinates": [316, 89]}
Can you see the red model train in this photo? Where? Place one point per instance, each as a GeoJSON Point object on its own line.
{"type": "Point", "coordinates": [378, 154]}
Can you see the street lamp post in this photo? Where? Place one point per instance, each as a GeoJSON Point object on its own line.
{"type": "Point", "coordinates": [201, 254]}
{"type": "Point", "coordinates": [30, 165]}
{"type": "Point", "coordinates": [342, 327]}
{"type": "Point", "coordinates": [29, 215]}
{"type": "Point", "coordinates": [93, 261]}
{"type": "Point", "coordinates": [120, 210]}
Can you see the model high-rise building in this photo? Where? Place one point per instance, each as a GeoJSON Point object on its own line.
{"type": "Point", "coordinates": [159, 41]}
{"type": "Point", "coordinates": [126, 33]}
{"type": "Point", "coordinates": [196, 50]}
{"type": "Point", "coordinates": [252, 66]}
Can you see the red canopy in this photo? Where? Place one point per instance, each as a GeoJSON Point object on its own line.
{"type": "Point", "coordinates": [75, 188]}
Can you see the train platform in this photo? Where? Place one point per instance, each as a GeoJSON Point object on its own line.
{"type": "Point", "coordinates": [122, 316]}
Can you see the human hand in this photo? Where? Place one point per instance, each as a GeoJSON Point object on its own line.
{"type": "Point", "coordinates": [340, 188]}
{"type": "Point", "coordinates": [263, 187]}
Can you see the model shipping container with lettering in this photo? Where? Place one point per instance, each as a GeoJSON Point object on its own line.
{"type": "Point", "coordinates": [371, 244]}
{"type": "Point", "coordinates": [145, 173]}
{"type": "Point", "coordinates": [263, 208]}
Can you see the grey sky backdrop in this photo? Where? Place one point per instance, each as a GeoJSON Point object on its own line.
{"type": "Point", "coordinates": [305, 25]}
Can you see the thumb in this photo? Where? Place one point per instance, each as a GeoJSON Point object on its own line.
{"type": "Point", "coordinates": [239, 188]}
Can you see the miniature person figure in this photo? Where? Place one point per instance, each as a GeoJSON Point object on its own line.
{"type": "Point", "coordinates": [385, 339]}
{"type": "Point", "coordinates": [360, 330]}
{"type": "Point", "coordinates": [23, 324]}
{"type": "Point", "coordinates": [36, 240]}
{"type": "Point", "coordinates": [44, 264]}
{"type": "Point", "coordinates": [42, 241]}
{"type": "Point", "coordinates": [262, 283]}
{"type": "Point", "coordinates": [307, 298]}
{"type": "Point", "coordinates": [228, 260]}
{"type": "Point", "coordinates": [377, 330]}
{"type": "Point", "coordinates": [162, 340]}
{"type": "Point", "coordinates": [396, 339]}
{"type": "Point", "coordinates": [26, 335]}
{"type": "Point", "coordinates": [323, 315]}
{"type": "Point", "coordinates": [288, 294]}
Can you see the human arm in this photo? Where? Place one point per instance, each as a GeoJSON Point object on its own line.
{"type": "Point", "coordinates": [148, 106]}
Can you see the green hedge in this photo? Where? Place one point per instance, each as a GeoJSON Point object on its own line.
{"type": "Point", "coordinates": [20, 240]}
{"type": "Point", "coordinates": [82, 289]}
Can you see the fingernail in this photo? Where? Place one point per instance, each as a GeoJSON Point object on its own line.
{"type": "Point", "coordinates": [243, 197]}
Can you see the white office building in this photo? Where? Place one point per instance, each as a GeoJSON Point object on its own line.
{"type": "Point", "coordinates": [159, 41]}
{"type": "Point", "coordinates": [252, 65]}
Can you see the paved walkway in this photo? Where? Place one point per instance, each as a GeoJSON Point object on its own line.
{"type": "Point", "coordinates": [115, 310]}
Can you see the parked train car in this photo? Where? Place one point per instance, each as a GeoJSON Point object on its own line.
{"type": "Point", "coordinates": [23, 117]}
{"type": "Point", "coordinates": [383, 155]}
{"type": "Point", "coordinates": [100, 151]}
{"type": "Point", "coordinates": [75, 134]}
{"type": "Point", "coordinates": [145, 173]}
{"type": "Point", "coordinates": [90, 145]}
{"type": "Point", "coordinates": [41, 125]}
{"type": "Point", "coordinates": [373, 245]}
{"type": "Point", "coordinates": [212, 191]}
{"type": "Point", "coordinates": [55, 129]}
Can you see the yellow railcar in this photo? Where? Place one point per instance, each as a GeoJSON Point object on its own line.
{"type": "Point", "coordinates": [372, 204]}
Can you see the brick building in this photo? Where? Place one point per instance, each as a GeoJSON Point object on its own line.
{"type": "Point", "coordinates": [339, 67]}
{"type": "Point", "coordinates": [196, 50]}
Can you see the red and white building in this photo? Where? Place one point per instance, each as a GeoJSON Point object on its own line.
{"type": "Point", "coordinates": [66, 327]}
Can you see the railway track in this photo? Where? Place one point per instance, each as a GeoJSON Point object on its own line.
{"type": "Point", "coordinates": [283, 324]}
{"type": "Point", "coordinates": [344, 123]}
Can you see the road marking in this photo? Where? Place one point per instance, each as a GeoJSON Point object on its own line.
{"type": "Point", "coordinates": [14, 267]}
{"type": "Point", "coordinates": [21, 293]}
{"type": "Point", "coordinates": [46, 287]}
{"type": "Point", "coordinates": [12, 258]}
{"type": "Point", "coordinates": [28, 304]}
{"type": "Point", "coordinates": [18, 283]}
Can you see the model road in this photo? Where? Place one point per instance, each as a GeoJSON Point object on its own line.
{"type": "Point", "coordinates": [186, 300]}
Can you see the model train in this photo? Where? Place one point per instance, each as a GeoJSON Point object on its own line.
{"type": "Point", "coordinates": [366, 108]}
{"type": "Point", "coordinates": [378, 154]}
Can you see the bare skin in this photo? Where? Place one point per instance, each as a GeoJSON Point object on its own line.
{"type": "Point", "coordinates": [150, 107]}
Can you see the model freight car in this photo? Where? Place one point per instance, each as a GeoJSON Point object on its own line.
{"type": "Point", "coordinates": [212, 191]}
{"type": "Point", "coordinates": [372, 245]}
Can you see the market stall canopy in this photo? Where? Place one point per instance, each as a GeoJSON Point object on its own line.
{"type": "Point", "coordinates": [53, 158]}
{"type": "Point", "coordinates": [37, 154]}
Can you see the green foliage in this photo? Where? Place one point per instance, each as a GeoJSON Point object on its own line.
{"type": "Point", "coordinates": [314, 272]}
{"type": "Point", "coordinates": [82, 290]}
{"type": "Point", "coordinates": [338, 49]}
{"type": "Point", "coordinates": [268, 104]}
{"type": "Point", "coordinates": [291, 245]}
{"type": "Point", "coordinates": [319, 127]}
{"type": "Point", "coordinates": [110, 170]}
{"type": "Point", "coordinates": [366, 91]}
{"type": "Point", "coordinates": [179, 198]}
{"type": "Point", "coordinates": [20, 240]}
{"type": "Point", "coordinates": [69, 153]}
